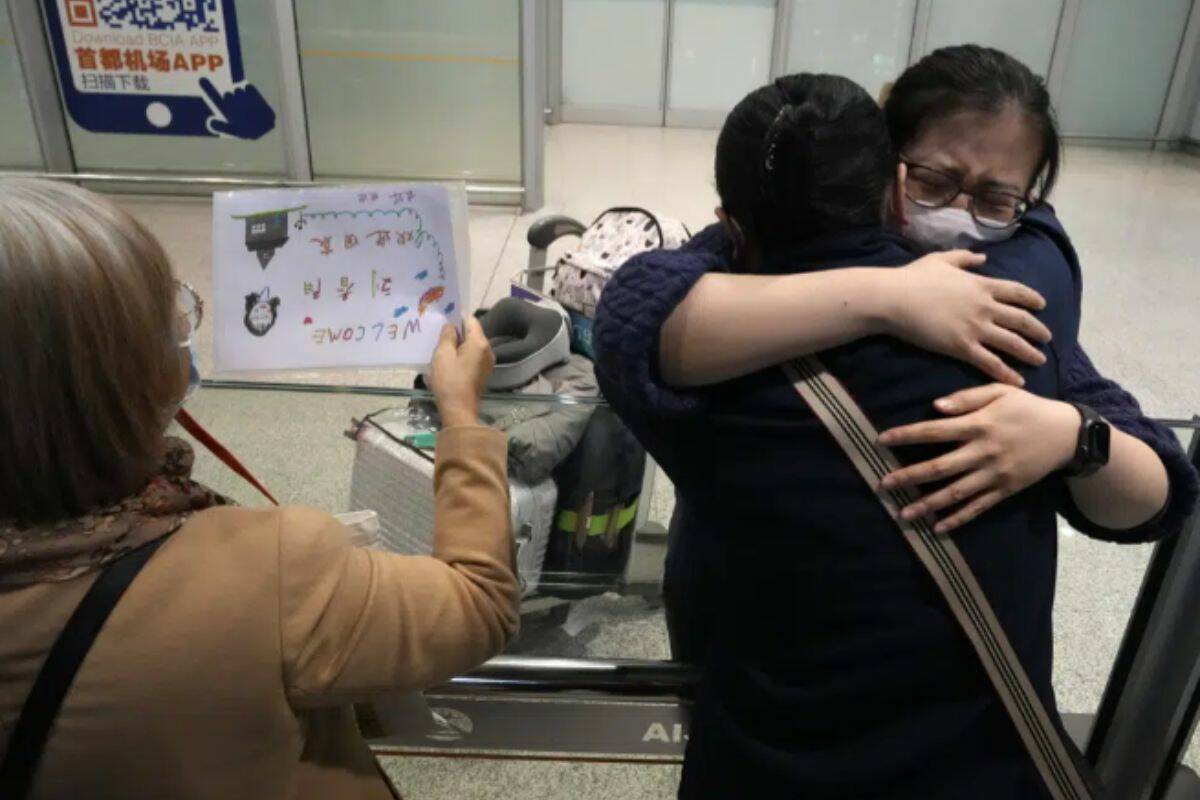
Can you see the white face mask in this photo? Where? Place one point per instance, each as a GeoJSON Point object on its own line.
{"type": "Point", "coordinates": [948, 228]}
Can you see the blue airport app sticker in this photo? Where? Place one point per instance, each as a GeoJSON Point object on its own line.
{"type": "Point", "coordinates": [167, 67]}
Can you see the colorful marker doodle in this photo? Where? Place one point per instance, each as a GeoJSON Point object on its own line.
{"type": "Point", "coordinates": [420, 237]}
{"type": "Point", "coordinates": [399, 213]}
{"type": "Point", "coordinates": [429, 298]}
{"type": "Point", "coordinates": [313, 289]}
{"type": "Point", "coordinates": [350, 242]}
{"type": "Point", "coordinates": [262, 311]}
{"type": "Point", "coordinates": [325, 243]}
{"type": "Point", "coordinates": [345, 288]}
{"type": "Point", "coordinates": [368, 197]}
{"type": "Point", "coordinates": [308, 320]}
{"type": "Point", "coordinates": [422, 275]}
{"type": "Point", "coordinates": [449, 309]}
{"type": "Point", "coordinates": [400, 312]}
{"type": "Point", "coordinates": [378, 332]}
{"type": "Point", "coordinates": [402, 197]}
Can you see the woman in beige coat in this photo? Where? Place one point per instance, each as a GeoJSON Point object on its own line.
{"type": "Point", "coordinates": [228, 667]}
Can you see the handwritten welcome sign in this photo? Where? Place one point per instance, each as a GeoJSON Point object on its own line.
{"type": "Point", "coordinates": [346, 277]}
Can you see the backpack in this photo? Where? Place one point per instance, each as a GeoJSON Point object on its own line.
{"type": "Point", "coordinates": [616, 236]}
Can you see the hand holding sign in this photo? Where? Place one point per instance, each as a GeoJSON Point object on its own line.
{"type": "Point", "coordinates": [243, 113]}
{"type": "Point", "coordinates": [461, 366]}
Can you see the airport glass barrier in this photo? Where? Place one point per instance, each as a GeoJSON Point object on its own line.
{"type": "Point", "coordinates": [18, 138]}
{"type": "Point", "coordinates": [408, 89]}
{"type": "Point", "coordinates": [589, 517]}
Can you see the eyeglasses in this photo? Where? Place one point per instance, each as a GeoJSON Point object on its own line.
{"type": "Point", "coordinates": [189, 311]}
{"type": "Point", "coordinates": [933, 188]}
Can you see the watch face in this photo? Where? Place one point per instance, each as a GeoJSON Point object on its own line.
{"type": "Point", "coordinates": [1099, 439]}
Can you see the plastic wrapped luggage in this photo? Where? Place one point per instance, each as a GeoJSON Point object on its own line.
{"type": "Point", "coordinates": [393, 476]}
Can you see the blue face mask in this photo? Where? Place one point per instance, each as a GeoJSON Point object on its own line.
{"type": "Point", "coordinates": [193, 370]}
{"type": "Point", "coordinates": [190, 308]}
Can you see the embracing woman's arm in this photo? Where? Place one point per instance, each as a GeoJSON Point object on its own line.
{"type": "Point", "coordinates": [1010, 439]}
{"type": "Point", "coordinates": [729, 325]}
{"type": "Point", "coordinates": [1149, 487]}
{"type": "Point", "coordinates": [732, 325]}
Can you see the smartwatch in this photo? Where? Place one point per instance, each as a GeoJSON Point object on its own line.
{"type": "Point", "coordinates": [1092, 447]}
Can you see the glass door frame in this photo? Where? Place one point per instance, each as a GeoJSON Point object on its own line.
{"type": "Point", "coordinates": [46, 108]}
{"type": "Point", "coordinates": [561, 111]}
{"type": "Point", "coordinates": [1181, 101]}
{"type": "Point", "coordinates": [695, 118]}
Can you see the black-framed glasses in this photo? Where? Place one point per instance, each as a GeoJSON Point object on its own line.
{"type": "Point", "coordinates": [991, 208]}
{"type": "Point", "coordinates": [190, 310]}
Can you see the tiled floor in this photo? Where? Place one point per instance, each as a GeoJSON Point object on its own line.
{"type": "Point", "coordinates": [1131, 214]}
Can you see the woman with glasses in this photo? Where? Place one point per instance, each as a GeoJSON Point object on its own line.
{"type": "Point", "coordinates": [685, 344]}
{"type": "Point", "coordinates": [228, 667]}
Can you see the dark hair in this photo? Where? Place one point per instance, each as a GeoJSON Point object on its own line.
{"type": "Point", "coordinates": [973, 78]}
{"type": "Point", "coordinates": [805, 155]}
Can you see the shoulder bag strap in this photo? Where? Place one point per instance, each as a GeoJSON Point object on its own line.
{"type": "Point", "coordinates": [1056, 760]}
{"type": "Point", "coordinates": [198, 431]}
{"type": "Point", "coordinates": [50, 688]}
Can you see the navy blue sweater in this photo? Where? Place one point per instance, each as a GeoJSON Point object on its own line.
{"type": "Point", "coordinates": [832, 668]}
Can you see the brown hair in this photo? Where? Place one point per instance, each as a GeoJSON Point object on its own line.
{"type": "Point", "coordinates": [89, 368]}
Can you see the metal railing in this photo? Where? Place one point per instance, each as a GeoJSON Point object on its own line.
{"type": "Point", "coordinates": [623, 677]}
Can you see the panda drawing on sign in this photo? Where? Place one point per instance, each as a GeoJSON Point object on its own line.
{"type": "Point", "coordinates": [262, 311]}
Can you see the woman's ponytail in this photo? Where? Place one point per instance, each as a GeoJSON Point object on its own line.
{"type": "Point", "coordinates": [803, 156]}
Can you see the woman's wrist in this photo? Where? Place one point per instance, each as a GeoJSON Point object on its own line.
{"type": "Point", "coordinates": [1062, 429]}
{"type": "Point", "coordinates": [454, 416]}
{"type": "Point", "coordinates": [878, 299]}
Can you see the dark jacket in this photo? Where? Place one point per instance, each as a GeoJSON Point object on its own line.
{"type": "Point", "coordinates": [832, 667]}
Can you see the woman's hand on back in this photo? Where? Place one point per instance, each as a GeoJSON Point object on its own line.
{"type": "Point", "coordinates": [460, 372]}
{"type": "Point", "coordinates": [1010, 439]}
{"type": "Point", "coordinates": [936, 304]}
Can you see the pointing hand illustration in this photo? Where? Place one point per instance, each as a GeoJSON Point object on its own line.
{"type": "Point", "coordinates": [243, 112]}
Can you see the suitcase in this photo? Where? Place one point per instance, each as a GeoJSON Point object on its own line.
{"type": "Point", "coordinates": [394, 477]}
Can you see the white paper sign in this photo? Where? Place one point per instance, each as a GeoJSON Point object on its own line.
{"type": "Point", "coordinates": [345, 277]}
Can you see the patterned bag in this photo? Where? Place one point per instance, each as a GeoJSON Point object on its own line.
{"type": "Point", "coordinates": [617, 235]}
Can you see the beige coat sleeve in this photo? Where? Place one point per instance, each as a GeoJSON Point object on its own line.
{"type": "Point", "coordinates": [355, 622]}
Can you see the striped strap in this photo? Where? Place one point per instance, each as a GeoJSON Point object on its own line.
{"type": "Point", "coordinates": [945, 564]}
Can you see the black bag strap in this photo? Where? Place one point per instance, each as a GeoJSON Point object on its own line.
{"type": "Point", "coordinates": [1066, 775]}
{"type": "Point", "coordinates": [50, 688]}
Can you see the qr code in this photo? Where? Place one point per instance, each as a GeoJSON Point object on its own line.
{"type": "Point", "coordinates": [161, 15]}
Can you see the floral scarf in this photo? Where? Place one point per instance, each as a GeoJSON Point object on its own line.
{"type": "Point", "coordinates": [62, 550]}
